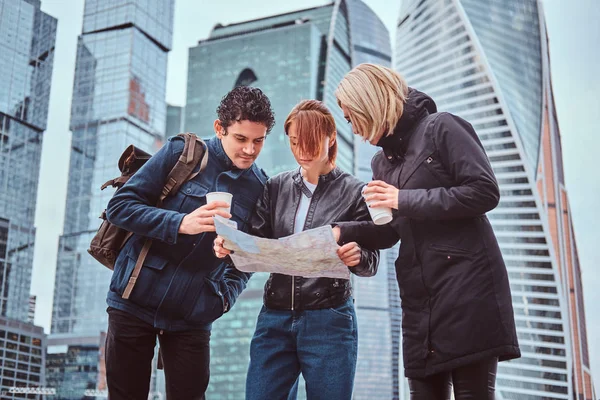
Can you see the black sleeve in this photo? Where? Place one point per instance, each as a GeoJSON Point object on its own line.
{"type": "Point", "coordinates": [368, 235]}
{"type": "Point", "coordinates": [369, 259]}
{"type": "Point", "coordinates": [260, 222]}
{"type": "Point", "coordinates": [476, 190]}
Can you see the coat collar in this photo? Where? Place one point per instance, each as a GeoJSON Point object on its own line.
{"type": "Point", "coordinates": [331, 175]}
{"type": "Point", "coordinates": [418, 105]}
{"type": "Point", "coordinates": [216, 150]}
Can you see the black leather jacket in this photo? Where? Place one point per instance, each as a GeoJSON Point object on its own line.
{"type": "Point", "coordinates": [336, 198]}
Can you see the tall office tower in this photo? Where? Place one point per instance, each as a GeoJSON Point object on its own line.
{"type": "Point", "coordinates": [174, 124]}
{"type": "Point", "coordinates": [27, 37]}
{"type": "Point", "coordinates": [487, 61]}
{"type": "Point", "coordinates": [376, 298]}
{"type": "Point", "coordinates": [293, 56]}
{"type": "Point", "coordinates": [118, 99]}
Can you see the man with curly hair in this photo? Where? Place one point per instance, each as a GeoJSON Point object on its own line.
{"type": "Point", "coordinates": [182, 287]}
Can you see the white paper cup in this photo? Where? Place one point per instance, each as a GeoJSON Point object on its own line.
{"type": "Point", "coordinates": [220, 196]}
{"type": "Point", "coordinates": [379, 215]}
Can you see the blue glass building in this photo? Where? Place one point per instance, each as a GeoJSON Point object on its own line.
{"type": "Point", "coordinates": [298, 55]}
{"type": "Point", "coordinates": [487, 61]}
{"type": "Point", "coordinates": [27, 37]}
{"type": "Point", "coordinates": [118, 99]}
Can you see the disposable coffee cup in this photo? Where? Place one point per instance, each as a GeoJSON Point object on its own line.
{"type": "Point", "coordinates": [379, 215]}
{"type": "Point", "coordinates": [220, 196]}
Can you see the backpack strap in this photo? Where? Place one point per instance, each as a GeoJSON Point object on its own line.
{"type": "Point", "coordinates": [194, 151]}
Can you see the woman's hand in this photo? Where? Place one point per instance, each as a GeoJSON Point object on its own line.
{"type": "Point", "coordinates": [350, 254]}
{"type": "Point", "coordinates": [336, 233]}
{"type": "Point", "coordinates": [381, 194]}
{"type": "Point", "coordinates": [219, 249]}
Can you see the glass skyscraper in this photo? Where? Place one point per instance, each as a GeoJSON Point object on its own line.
{"type": "Point", "coordinates": [118, 100]}
{"type": "Point", "coordinates": [174, 124]}
{"type": "Point", "coordinates": [487, 61]}
{"type": "Point", "coordinates": [294, 56]}
{"type": "Point", "coordinates": [27, 37]}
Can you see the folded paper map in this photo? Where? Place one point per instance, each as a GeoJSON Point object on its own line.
{"type": "Point", "coordinates": [310, 254]}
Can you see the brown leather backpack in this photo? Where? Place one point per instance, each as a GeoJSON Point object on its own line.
{"type": "Point", "coordinates": [110, 239]}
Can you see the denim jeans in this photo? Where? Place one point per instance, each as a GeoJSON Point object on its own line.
{"type": "Point", "coordinates": [320, 344]}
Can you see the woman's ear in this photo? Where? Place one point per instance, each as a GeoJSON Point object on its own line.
{"type": "Point", "coordinates": [333, 139]}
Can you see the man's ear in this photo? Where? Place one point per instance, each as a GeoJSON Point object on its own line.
{"type": "Point", "coordinates": [219, 131]}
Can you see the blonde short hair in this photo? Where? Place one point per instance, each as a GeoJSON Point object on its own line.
{"type": "Point", "coordinates": [375, 97]}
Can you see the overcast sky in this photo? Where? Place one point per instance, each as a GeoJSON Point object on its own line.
{"type": "Point", "coordinates": [574, 34]}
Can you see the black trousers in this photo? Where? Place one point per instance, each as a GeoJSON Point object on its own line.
{"type": "Point", "coordinates": [130, 346]}
{"type": "Point", "coordinates": [471, 382]}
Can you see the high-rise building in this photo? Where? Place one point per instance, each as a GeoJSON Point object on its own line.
{"type": "Point", "coordinates": [174, 123]}
{"type": "Point", "coordinates": [487, 61]}
{"type": "Point", "coordinates": [118, 99]}
{"type": "Point", "coordinates": [22, 360]}
{"type": "Point", "coordinates": [293, 56]}
{"type": "Point", "coordinates": [75, 367]}
{"type": "Point", "coordinates": [27, 37]}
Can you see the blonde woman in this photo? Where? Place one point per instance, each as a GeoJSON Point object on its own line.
{"type": "Point", "coordinates": [433, 172]}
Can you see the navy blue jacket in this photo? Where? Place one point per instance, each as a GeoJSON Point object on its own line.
{"type": "Point", "coordinates": [182, 285]}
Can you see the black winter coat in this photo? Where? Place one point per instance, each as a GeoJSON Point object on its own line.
{"type": "Point", "coordinates": [456, 302]}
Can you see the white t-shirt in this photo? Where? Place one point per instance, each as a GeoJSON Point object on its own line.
{"type": "Point", "coordinates": [303, 207]}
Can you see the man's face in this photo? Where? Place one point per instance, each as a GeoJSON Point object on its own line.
{"type": "Point", "coordinates": [242, 141]}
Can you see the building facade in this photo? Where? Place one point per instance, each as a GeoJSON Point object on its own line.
{"type": "Point", "coordinates": [487, 61]}
{"type": "Point", "coordinates": [27, 37]}
{"type": "Point", "coordinates": [22, 360]}
{"type": "Point", "coordinates": [174, 124]}
{"type": "Point", "coordinates": [75, 367]}
{"type": "Point", "coordinates": [291, 57]}
{"type": "Point", "coordinates": [118, 99]}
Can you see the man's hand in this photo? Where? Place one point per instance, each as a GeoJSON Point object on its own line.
{"type": "Point", "coordinates": [219, 249]}
{"type": "Point", "coordinates": [201, 219]}
{"type": "Point", "coordinates": [381, 194]}
{"type": "Point", "coordinates": [350, 254]}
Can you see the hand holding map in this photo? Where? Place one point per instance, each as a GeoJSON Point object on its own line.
{"type": "Point", "coordinates": [310, 254]}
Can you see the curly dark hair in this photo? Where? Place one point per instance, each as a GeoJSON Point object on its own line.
{"type": "Point", "coordinates": [246, 103]}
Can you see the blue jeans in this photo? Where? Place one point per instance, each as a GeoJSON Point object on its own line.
{"type": "Point", "coordinates": [322, 344]}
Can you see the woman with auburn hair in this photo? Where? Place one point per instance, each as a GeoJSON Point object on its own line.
{"type": "Point", "coordinates": [307, 325]}
{"type": "Point", "coordinates": [457, 316]}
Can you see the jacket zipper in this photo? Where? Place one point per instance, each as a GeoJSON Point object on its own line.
{"type": "Point", "coordinates": [293, 228]}
{"type": "Point", "coordinates": [304, 227]}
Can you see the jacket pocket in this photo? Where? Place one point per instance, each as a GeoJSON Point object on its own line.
{"type": "Point", "coordinates": [193, 195]}
{"type": "Point", "coordinates": [450, 250]}
{"type": "Point", "coordinates": [209, 303]}
{"type": "Point", "coordinates": [241, 208]}
{"type": "Point", "coordinates": [147, 290]}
